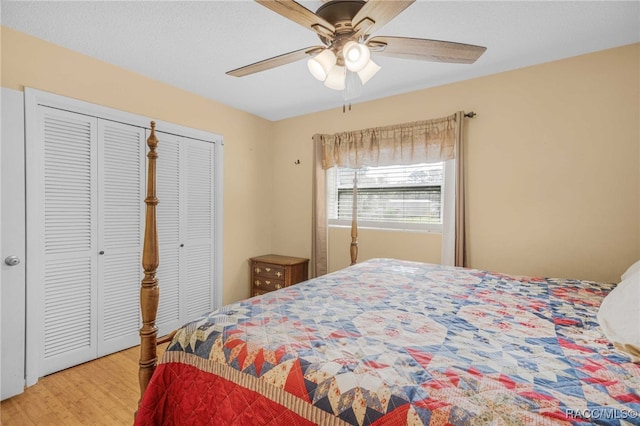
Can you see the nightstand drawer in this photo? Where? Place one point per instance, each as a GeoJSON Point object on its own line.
{"type": "Point", "coordinates": [267, 284]}
{"type": "Point", "coordinates": [255, 292]}
{"type": "Point", "coordinates": [268, 270]}
{"type": "Point", "coordinates": [273, 272]}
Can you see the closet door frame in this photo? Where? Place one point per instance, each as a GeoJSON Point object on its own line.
{"type": "Point", "coordinates": [13, 278]}
{"type": "Point", "coordinates": [34, 98]}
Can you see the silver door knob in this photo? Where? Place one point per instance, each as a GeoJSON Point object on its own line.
{"type": "Point", "coordinates": [12, 260]}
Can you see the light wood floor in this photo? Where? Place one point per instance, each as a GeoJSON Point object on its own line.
{"type": "Point", "coordinates": [100, 392]}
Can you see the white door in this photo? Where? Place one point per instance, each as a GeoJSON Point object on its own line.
{"type": "Point", "coordinates": [169, 187]}
{"type": "Point", "coordinates": [186, 194]}
{"type": "Point", "coordinates": [120, 234]}
{"type": "Point", "coordinates": [12, 280]}
{"type": "Point", "coordinates": [61, 239]}
{"type": "Point", "coordinates": [199, 220]}
{"type": "Point", "coordinates": [85, 236]}
{"type": "Point", "coordinates": [84, 219]}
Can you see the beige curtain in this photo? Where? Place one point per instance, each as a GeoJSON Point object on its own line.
{"type": "Point", "coordinates": [319, 234]}
{"type": "Point", "coordinates": [460, 250]}
{"type": "Point", "coordinates": [409, 143]}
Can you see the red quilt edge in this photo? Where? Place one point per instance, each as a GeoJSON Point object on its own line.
{"type": "Point", "coordinates": [180, 394]}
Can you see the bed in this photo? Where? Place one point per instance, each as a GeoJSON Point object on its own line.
{"type": "Point", "coordinates": [397, 342]}
{"type": "Point", "coordinates": [392, 342]}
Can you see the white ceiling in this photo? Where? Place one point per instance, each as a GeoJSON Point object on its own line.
{"type": "Point", "coordinates": [191, 45]}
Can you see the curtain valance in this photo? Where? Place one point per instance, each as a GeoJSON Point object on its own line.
{"type": "Point", "coordinates": [424, 141]}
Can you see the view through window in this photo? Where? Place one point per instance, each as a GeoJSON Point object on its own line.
{"type": "Point", "coordinates": [395, 197]}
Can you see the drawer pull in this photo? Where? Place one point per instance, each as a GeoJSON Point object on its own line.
{"type": "Point", "coordinates": [278, 274]}
{"type": "Point", "coordinates": [278, 286]}
{"type": "Point", "coordinates": [257, 283]}
{"type": "Point", "coordinates": [257, 270]}
{"type": "Point", "coordinates": [267, 269]}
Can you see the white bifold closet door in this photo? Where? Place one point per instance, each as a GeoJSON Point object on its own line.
{"type": "Point", "coordinates": [185, 190]}
{"type": "Point", "coordinates": [121, 173]}
{"type": "Point", "coordinates": [84, 231]}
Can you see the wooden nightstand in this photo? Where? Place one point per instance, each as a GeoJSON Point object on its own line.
{"type": "Point", "coordinates": [273, 272]}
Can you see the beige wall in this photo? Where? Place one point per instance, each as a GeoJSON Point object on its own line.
{"type": "Point", "coordinates": [553, 160]}
{"type": "Point", "coordinates": [416, 246]}
{"type": "Point", "coordinates": [552, 172]}
{"type": "Point", "coordinates": [28, 61]}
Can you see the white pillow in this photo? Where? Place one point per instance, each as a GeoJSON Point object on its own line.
{"type": "Point", "coordinates": [619, 315]}
{"type": "Point", "coordinates": [631, 270]}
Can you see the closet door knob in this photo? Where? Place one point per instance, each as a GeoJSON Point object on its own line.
{"type": "Point", "coordinates": [101, 252]}
{"type": "Point", "coordinates": [12, 260]}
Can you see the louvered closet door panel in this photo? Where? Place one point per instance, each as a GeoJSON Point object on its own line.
{"type": "Point", "coordinates": [199, 227]}
{"type": "Point", "coordinates": [120, 179]}
{"type": "Point", "coordinates": [67, 254]}
{"type": "Point", "coordinates": [168, 218]}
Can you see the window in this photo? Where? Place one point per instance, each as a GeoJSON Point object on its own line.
{"type": "Point", "coordinates": [389, 197]}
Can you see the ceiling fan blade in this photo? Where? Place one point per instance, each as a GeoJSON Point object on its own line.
{"type": "Point", "coordinates": [299, 14]}
{"type": "Point", "coordinates": [276, 61]}
{"type": "Point", "coordinates": [376, 13]}
{"type": "Point", "coordinates": [426, 50]}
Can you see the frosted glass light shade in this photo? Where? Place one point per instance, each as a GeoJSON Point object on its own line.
{"type": "Point", "coordinates": [321, 64]}
{"type": "Point", "coordinates": [356, 56]}
{"type": "Point", "coordinates": [368, 71]}
{"type": "Point", "coordinates": [335, 79]}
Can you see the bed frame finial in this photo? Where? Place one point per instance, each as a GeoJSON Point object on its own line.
{"type": "Point", "coordinates": [149, 290]}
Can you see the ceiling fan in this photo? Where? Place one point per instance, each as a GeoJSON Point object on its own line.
{"type": "Point", "coordinates": [345, 28]}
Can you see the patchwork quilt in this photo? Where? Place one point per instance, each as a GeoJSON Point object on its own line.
{"type": "Point", "coordinates": [390, 342]}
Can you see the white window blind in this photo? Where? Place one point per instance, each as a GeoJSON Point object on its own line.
{"type": "Point", "coordinates": [396, 197]}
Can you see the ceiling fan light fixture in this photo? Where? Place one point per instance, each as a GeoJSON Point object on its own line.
{"type": "Point", "coordinates": [356, 55]}
{"type": "Point", "coordinates": [336, 78]}
{"type": "Point", "coordinates": [321, 64]}
{"type": "Point", "coordinates": [368, 71]}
